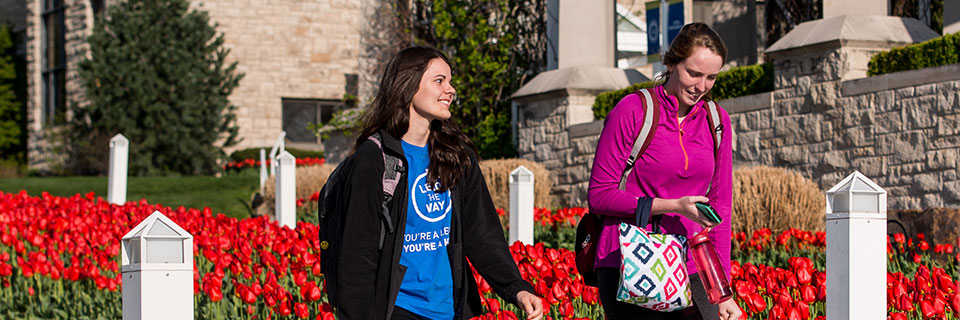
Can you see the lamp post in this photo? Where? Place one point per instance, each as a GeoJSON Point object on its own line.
{"type": "Point", "coordinates": [856, 223]}
{"type": "Point", "coordinates": [157, 270]}
{"type": "Point", "coordinates": [286, 197]}
{"type": "Point", "coordinates": [521, 205]}
{"type": "Point", "coordinates": [117, 183]}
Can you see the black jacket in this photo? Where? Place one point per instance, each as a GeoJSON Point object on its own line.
{"type": "Point", "coordinates": [370, 278]}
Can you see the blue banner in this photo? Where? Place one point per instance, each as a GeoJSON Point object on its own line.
{"type": "Point", "coordinates": [653, 27]}
{"type": "Point", "coordinates": [674, 20]}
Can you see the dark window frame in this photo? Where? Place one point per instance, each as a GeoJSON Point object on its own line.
{"type": "Point", "coordinates": [325, 108]}
{"type": "Point", "coordinates": [54, 72]}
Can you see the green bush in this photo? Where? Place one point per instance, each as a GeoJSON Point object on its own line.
{"type": "Point", "coordinates": [743, 81]}
{"type": "Point", "coordinates": [736, 82]}
{"type": "Point", "coordinates": [607, 100]}
{"type": "Point", "coordinates": [931, 53]}
{"type": "Point", "coordinates": [254, 153]}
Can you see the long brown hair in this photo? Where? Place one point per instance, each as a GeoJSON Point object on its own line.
{"type": "Point", "coordinates": [691, 36]}
{"type": "Point", "coordinates": [449, 149]}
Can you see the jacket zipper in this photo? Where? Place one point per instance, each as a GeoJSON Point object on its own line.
{"type": "Point", "coordinates": [686, 159]}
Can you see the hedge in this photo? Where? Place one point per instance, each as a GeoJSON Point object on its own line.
{"type": "Point", "coordinates": [254, 153]}
{"type": "Point", "coordinates": [736, 82]}
{"type": "Point", "coordinates": [931, 53]}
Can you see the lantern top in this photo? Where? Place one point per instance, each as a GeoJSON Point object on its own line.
{"type": "Point", "coordinates": [157, 225]}
{"type": "Point", "coordinates": [856, 182]}
{"type": "Point", "coordinates": [521, 174]}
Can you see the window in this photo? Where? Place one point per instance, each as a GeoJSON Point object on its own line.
{"type": "Point", "coordinates": [298, 114]}
{"type": "Point", "coordinates": [54, 64]}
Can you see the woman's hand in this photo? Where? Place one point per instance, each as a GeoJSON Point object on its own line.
{"type": "Point", "coordinates": [687, 206]}
{"type": "Point", "coordinates": [531, 304]}
{"type": "Point", "coordinates": [729, 310]}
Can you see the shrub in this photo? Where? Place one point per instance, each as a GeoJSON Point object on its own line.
{"type": "Point", "coordinates": [736, 82]}
{"type": "Point", "coordinates": [254, 153]}
{"type": "Point", "coordinates": [158, 72]}
{"type": "Point", "coordinates": [743, 81]}
{"type": "Point", "coordinates": [931, 53]}
{"type": "Point", "coordinates": [775, 198]}
{"type": "Point", "coordinates": [497, 175]}
{"type": "Point", "coordinates": [310, 179]}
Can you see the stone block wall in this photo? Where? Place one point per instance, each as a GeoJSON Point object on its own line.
{"type": "Point", "coordinates": [44, 143]}
{"type": "Point", "coordinates": [286, 49]}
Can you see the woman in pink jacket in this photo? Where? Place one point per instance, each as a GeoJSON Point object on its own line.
{"type": "Point", "coordinates": [678, 169]}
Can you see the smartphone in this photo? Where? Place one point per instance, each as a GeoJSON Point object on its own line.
{"type": "Point", "coordinates": [709, 212]}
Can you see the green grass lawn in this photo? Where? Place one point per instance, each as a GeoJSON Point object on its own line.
{"type": "Point", "coordinates": [229, 194]}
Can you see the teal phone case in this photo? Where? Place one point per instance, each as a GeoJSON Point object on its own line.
{"type": "Point", "coordinates": [709, 212]}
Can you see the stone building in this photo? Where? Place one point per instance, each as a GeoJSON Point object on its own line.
{"type": "Point", "coordinates": [300, 60]}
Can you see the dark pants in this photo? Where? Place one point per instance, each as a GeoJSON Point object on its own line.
{"type": "Point", "coordinates": [608, 281]}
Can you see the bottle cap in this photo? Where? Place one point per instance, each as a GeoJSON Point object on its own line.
{"type": "Point", "coordinates": [700, 237]}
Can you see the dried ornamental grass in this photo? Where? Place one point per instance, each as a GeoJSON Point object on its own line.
{"type": "Point", "coordinates": [775, 198]}
{"type": "Point", "coordinates": [497, 175]}
{"type": "Point", "coordinates": [310, 179]}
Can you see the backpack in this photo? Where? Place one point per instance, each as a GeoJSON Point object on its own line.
{"type": "Point", "coordinates": [331, 210]}
{"type": "Point", "coordinates": [590, 225]}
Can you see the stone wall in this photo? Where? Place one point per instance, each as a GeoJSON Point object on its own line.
{"type": "Point", "coordinates": [44, 143]}
{"type": "Point", "coordinates": [286, 49]}
{"type": "Point", "coordinates": [902, 130]}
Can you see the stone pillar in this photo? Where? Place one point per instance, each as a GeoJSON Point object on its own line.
{"type": "Point", "coordinates": [836, 8]}
{"type": "Point", "coordinates": [586, 34]}
{"type": "Point", "coordinates": [951, 17]}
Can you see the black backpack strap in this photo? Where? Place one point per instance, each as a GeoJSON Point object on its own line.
{"type": "Point", "coordinates": [393, 170]}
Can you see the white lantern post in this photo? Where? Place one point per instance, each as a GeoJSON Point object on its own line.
{"type": "Point", "coordinates": [117, 180]}
{"type": "Point", "coordinates": [856, 224]}
{"type": "Point", "coordinates": [521, 205]}
{"type": "Point", "coordinates": [278, 147]}
{"type": "Point", "coordinates": [263, 168]}
{"type": "Point", "coordinates": [286, 196]}
{"type": "Point", "coordinates": [157, 270]}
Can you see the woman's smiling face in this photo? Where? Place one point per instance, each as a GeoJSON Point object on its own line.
{"type": "Point", "coordinates": [433, 98]}
{"type": "Point", "coordinates": [693, 77]}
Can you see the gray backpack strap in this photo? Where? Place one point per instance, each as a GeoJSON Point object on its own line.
{"type": "Point", "coordinates": [717, 128]}
{"type": "Point", "coordinates": [392, 172]}
{"type": "Point", "coordinates": [715, 125]}
{"type": "Point", "coordinates": [647, 128]}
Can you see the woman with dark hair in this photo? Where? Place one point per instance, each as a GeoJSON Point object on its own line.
{"type": "Point", "coordinates": [680, 167]}
{"type": "Point", "coordinates": [441, 209]}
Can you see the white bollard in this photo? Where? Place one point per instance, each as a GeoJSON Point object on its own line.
{"type": "Point", "coordinates": [278, 147]}
{"type": "Point", "coordinates": [521, 205]}
{"type": "Point", "coordinates": [157, 270]}
{"type": "Point", "coordinates": [117, 183]}
{"type": "Point", "coordinates": [286, 197]}
{"type": "Point", "coordinates": [263, 168]}
{"type": "Point", "coordinates": [856, 224]}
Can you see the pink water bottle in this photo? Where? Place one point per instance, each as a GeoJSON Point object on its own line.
{"type": "Point", "coordinates": [711, 272]}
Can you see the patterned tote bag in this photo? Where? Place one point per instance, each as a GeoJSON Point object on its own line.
{"type": "Point", "coordinates": [653, 273]}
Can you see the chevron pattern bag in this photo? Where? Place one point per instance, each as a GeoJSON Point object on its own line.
{"type": "Point", "coordinates": [653, 273]}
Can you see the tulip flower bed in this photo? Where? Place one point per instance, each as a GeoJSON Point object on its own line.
{"type": "Point", "coordinates": [254, 163]}
{"type": "Point", "coordinates": [59, 258]}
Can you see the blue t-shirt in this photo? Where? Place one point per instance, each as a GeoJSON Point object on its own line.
{"type": "Point", "coordinates": [427, 288]}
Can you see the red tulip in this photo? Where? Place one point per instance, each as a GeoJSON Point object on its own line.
{"type": "Point", "coordinates": [927, 309]}
{"type": "Point", "coordinates": [955, 303]}
{"type": "Point", "coordinates": [808, 293]}
{"type": "Point", "coordinates": [301, 309]}
{"type": "Point", "coordinates": [897, 316]}
{"type": "Point", "coordinates": [493, 305]}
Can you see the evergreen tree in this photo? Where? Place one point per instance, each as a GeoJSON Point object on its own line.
{"type": "Point", "coordinates": [11, 108]}
{"type": "Point", "coordinates": [158, 74]}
